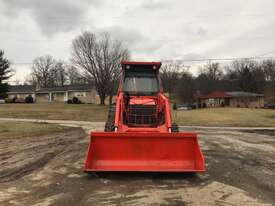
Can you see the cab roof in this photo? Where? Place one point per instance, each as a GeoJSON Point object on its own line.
{"type": "Point", "coordinates": [125, 63]}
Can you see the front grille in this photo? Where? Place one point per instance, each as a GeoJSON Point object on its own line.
{"type": "Point", "coordinates": [138, 115]}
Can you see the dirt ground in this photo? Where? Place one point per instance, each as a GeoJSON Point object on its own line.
{"type": "Point", "coordinates": [48, 171]}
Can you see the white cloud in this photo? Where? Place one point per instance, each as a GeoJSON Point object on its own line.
{"type": "Point", "coordinates": [152, 29]}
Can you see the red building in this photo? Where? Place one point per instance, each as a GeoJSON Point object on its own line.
{"type": "Point", "coordinates": [231, 99]}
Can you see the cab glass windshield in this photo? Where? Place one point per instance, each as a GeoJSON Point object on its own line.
{"type": "Point", "coordinates": [140, 82]}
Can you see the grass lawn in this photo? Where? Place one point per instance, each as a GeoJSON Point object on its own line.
{"type": "Point", "coordinates": [84, 112]}
{"type": "Point", "coordinates": [28, 129]}
{"type": "Point", "coordinates": [226, 117]}
{"type": "Point", "coordinates": [90, 112]}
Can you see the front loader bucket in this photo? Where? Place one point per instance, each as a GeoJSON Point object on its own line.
{"type": "Point", "coordinates": [144, 151]}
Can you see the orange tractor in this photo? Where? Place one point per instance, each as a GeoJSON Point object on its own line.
{"type": "Point", "coordinates": [138, 134]}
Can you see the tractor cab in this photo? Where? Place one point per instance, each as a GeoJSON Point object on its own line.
{"type": "Point", "coordinates": [140, 88]}
{"type": "Point", "coordinates": [140, 80]}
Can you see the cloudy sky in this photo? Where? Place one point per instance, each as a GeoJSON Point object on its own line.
{"type": "Point", "coordinates": [152, 29]}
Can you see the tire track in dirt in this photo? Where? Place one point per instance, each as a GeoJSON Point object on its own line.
{"type": "Point", "coordinates": [232, 177]}
{"type": "Point", "coordinates": [241, 159]}
{"type": "Point", "coordinates": [25, 155]}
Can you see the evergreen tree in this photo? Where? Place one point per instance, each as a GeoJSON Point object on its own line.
{"type": "Point", "coordinates": [5, 74]}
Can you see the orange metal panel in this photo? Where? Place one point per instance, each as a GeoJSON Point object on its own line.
{"type": "Point", "coordinates": [163, 152]}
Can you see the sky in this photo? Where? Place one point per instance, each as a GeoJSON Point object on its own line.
{"type": "Point", "coordinates": [153, 30]}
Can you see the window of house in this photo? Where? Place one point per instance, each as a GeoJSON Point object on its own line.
{"type": "Point", "coordinates": [80, 94]}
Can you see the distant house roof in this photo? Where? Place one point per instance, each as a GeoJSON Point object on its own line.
{"type": "Point", "coordinates": [17, 89]}
{"type": "Point", "coordinates": [21, 89]}
{"type": "Point", "coordinates": [244, 94]}
{"type": "Point", "coordinates": [215, 94]}
{"type": "Point", "coordinates": [66, 88]}
{"type": "Point", "coordinates": [221, 95]}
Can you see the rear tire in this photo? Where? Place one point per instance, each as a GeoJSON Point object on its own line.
{"type": "Point", "coordinates": [175, 128]}
{"type": "Point", "coordinates": [109, 125]}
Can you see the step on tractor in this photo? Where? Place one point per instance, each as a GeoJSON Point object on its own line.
{"type": "Point", "coordinates": [139, 135]}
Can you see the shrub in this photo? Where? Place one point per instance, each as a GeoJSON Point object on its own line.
{"type": "Point", "coordinates": [19, 100]}
{"type": "Point", "coordinates": [14, 99]}
{"type": "Point", "coordinates": [29, 99]}
{"type": "Point", "coordinates": [175, 106]}
{"type": "Point", "coordinates": [76, 100]}
{"type": "Point", "coordinates": [8, 100]}
{"type": "Point", "coordinates": [69, 101]}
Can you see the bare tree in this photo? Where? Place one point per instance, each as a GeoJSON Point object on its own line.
{"type": "Point", "coordinates": [248, 75]}
{"type": "Point", "coordinates": [47, 72]}
{"type": "Point", "coordinates": [185, 88]}
{"type": "Point", "coordinates": [170, 75]}
{"type": "Point", "coordinates": [30, 80]}
{"type": "Point", "coordinates": [99, 57]}
{"type": "Point", "coordinates": [212, 71]}
{"type": "Point", "coordinates": [61, 77]}
{"type": "Point", "coordinates": [209, 78]}
{"type": "Point", "coordinates": [58, 74]}
{"type": "Point", "coordinates": [269, 69]}
{"type": "Point", "coordinates": [74, 76]}
{"type": "Point", "coordinates": [42, 70]}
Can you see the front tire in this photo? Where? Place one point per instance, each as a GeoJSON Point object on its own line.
{"type": "Point", "coordinates": [109, 124]}
{"type": "Point", "coordinates": [175, 128]}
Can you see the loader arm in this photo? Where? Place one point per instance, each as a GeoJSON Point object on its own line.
{"type": "Point", "coordinates": [118, 114]}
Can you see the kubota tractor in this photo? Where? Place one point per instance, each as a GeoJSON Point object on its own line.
{"type": "Point", "coordinates": [138, 134]}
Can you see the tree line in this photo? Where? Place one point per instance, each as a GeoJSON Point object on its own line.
{"type": "Point", "coordinates": [95, 60]}
{"type": "Point", "coordinates": [246, 75]}
{"type": "Point", "coordinates": [47, 72]}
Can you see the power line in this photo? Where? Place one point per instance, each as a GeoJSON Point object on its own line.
{"type": "Point", "coordinates": [193, 18]}
{"type": "Point", "coordinates": [225, 59]}
{"type": "Point", "coordinates": [80, 18]}
{"type": "Point", "coordinates": [266, 53]}
{"type": "Point", "coordinates": [182, 60]}
{"type": "Point", "coordinates": [69, 42]}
